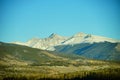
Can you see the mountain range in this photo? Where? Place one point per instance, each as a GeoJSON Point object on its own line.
{"type": "Point", "coordinates": [55, 40]}
{"type": "Point", "coordinates": [86, 45]}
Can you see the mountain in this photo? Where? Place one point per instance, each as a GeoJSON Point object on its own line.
{"type": "Point", "coordinates": [91, 46]}
{"type": "Point", "coordinates": [86, 45]}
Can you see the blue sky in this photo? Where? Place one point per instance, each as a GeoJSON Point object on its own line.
{"type": "Point", "coordinates": [21, 20]}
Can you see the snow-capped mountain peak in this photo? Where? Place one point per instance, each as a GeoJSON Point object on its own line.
{"type": "Point", "coordinates": [87, 38]}
{"type": "Point", "coordinates": [46, 43]}
{"type": "Point", "coordinates": [55, 40]}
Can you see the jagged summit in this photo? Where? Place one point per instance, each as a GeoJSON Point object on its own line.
{"type": "Point", "coordinates": [53, 35]}
{"type": "Point", "coordinates": [56, 36]}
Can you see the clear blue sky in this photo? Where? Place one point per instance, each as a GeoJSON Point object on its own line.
{"type": "Point", "coordinates": [21, 20]}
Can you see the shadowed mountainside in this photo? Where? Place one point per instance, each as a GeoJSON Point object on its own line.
{"type": "Point", "coordinates": [100, 51]}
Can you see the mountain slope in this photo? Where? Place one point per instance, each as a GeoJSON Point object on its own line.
{"type": "Point", "coordinates": [29, 56]}
{"type": "Point", "coordinates": [102, 51]}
